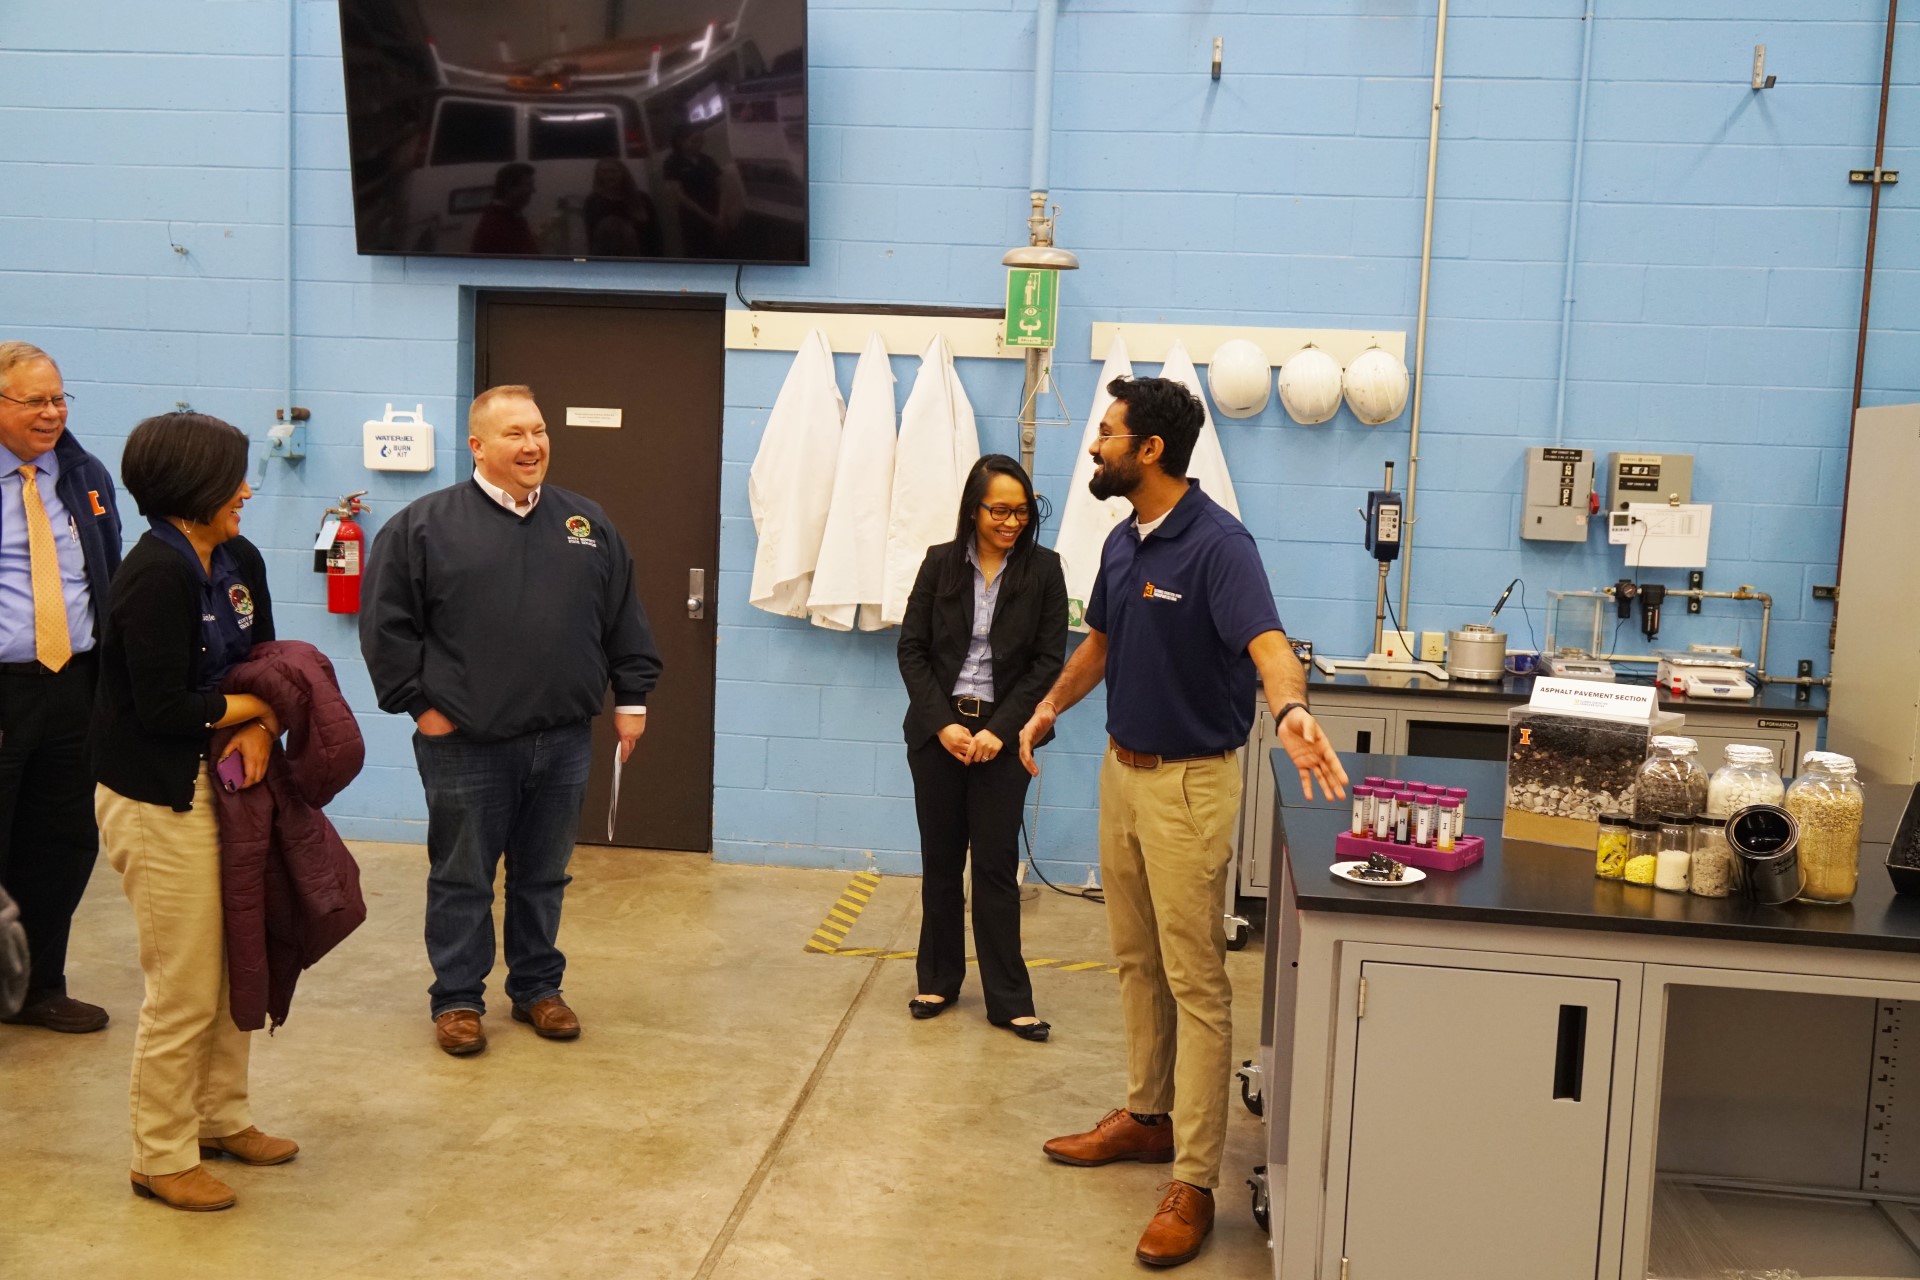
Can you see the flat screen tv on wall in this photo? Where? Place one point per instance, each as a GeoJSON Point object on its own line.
{"type": "Point", "coordinates": [650, 130]}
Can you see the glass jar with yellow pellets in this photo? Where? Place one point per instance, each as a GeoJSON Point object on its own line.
{"type": "Point", "coordinates": [1643, 852]}
{"type": "Point", "coordinates": [1610, 849]}
{"type": "Point", "coordinates": [1827, 803]}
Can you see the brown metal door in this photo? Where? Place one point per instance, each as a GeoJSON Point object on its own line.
{"type": "Point", "coordinates": [660, 362]}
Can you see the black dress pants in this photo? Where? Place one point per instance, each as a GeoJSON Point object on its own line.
{"type": "Point", "coordinates": [979, 805]}
{"type": "Point", "coordinates": [48, 841]}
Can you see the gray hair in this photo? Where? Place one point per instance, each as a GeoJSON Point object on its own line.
{"type": "Point", "coordinates": [16, 353]}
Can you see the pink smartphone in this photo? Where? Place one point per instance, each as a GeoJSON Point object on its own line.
{"type": "Point", "coordinates": [232, 772]}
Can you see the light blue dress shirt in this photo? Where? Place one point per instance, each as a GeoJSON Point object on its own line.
{"type": "Point", "coordinates": [976, 673]}
{"type": "Point", "coordinates": [16, 564]}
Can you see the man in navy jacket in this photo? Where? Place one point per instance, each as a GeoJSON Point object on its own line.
{"type": "Point", "coordinates": [59, 548]}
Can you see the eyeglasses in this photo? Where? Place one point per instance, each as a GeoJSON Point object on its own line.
{"type": "Point", "coordinates": [41, 402]}
{"type": "Point", "coordinates": [1100, 438]}
{"type": "Point", "coordinates": [1000, 513]}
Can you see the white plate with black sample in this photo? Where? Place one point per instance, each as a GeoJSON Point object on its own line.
{"type": "Point", "coordinates": [1345, 870]}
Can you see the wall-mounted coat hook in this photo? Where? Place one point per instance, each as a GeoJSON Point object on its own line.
{"type": "Point", "coordinates": [1219, 46]}
{"type": "Point", "coordinates": [1761, 80]}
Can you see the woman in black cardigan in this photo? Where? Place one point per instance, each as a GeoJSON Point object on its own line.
{"type": "Point", "coordinates": [188, 603]}
{"type": "Point", "coordinates": [984, 636]}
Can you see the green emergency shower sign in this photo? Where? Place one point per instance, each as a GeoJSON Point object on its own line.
{"type": "Point", "coordinates": [1033, 306]}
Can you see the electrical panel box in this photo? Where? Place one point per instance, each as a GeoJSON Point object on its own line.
{"type": "Point", "coordinates": [1648, 477]}
{"type": "Point", "coordinates": [1559, 495]}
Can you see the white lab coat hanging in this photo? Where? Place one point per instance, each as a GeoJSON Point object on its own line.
{"type": "Point", "coordinates": [938, 446]}
{"type": "Point", "coordinates": [849, 582]}
{"type": "Point", "coordinates": [791, 481]}
{"type": "Point", "coordinates": [1086, 521]}
{"type": "Point", "coordinates": [1208, 464]}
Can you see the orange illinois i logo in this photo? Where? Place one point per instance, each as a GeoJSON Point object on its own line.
{"type": "Point", "coordinates": [1526, 736]}
{"type": "Point", "coordinates": [93, 496]}
{"type": "Point", "coordinates": [1148, 593]}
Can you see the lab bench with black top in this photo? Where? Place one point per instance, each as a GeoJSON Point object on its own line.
{"type": "Point", "coordinates": [1519, 1070]}
{"type": "Point", "coordinates": [1404, 713]}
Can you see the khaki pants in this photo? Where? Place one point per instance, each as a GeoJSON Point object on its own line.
{"type": "Point", "coordinates": [189, 1060]}
{"type": "Point", "coordinates": [1166, 839]}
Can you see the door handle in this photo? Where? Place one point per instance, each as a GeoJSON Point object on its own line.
{"type": "Point", "coordinates": [696, 593]}
{"type": "Point", "coordinates": [1570, 1053]}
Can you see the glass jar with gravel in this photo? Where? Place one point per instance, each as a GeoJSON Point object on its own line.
{"type": "Point", "coordinates": [1751, 775]}
{"type": "Point", "coordinates": [1827, 803]}
{"type": "Point", "coordinates": [1713, 863]}
{"type": "Point", "coordinates": [1671, 780]}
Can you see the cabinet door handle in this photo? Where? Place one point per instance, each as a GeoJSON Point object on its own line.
{"type": "Point", "coordinates": [1363, 742]}
{"type": "Point", "coordinates": [1570, 1052]}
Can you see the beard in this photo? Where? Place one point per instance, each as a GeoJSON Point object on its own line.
{"type": "Point", "coordinates": [1115, 478]}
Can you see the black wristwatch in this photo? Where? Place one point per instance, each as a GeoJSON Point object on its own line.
{"type": "Point", "coordinates": [1281, 715]}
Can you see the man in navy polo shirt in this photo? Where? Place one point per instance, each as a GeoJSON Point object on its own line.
{"type": "Point", "coordinates": [1180, 622]}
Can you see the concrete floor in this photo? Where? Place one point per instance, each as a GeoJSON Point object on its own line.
{"type": "Point", "coordinates": [737, 1108]}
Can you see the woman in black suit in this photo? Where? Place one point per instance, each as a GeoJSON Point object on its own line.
{"type": "Point", "coordinates": [984, 636]}
{"type": "Point", "coordinates": [188, 604]}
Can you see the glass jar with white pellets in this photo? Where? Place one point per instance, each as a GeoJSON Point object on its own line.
{"type": "Point", "coordinates": [1750, 776]}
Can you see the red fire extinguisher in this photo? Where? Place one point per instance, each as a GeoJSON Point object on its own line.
{"type": "Point", "coordinates": [344, 558]}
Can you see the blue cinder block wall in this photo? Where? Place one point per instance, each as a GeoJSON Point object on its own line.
{"type": "Point", "coordinates": [1717, 286]}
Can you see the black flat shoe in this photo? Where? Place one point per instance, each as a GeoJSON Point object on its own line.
{"type": "Point", "coordinates": [924, 1009]}
{"type": "Point", "coordinates": [1035, 1031]}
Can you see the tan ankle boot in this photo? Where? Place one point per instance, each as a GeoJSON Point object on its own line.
{"type": "Point", "coordinates": [250, 1146]}
{"type": "Point", "coordinates": [194, 1190]}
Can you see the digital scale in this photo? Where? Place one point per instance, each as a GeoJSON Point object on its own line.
{"type": "Point", "coordinates": [1576, 666]}
{"type": "Point", "coordinates": [1705, 673]}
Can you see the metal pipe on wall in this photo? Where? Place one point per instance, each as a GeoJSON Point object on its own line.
{"type": "Point", "coordinates": [1039, 227]}
{"type": "Point", "coordinates": [1866, 275]}
{"type": "Point", "coordinates": [286, 257]}
{"type": "Point", "coordinates": [1420, 320]}
{"type": "Point", "coordinates": [1573, 226]}
{"type": "Point", "coordinates": [1048, 17]}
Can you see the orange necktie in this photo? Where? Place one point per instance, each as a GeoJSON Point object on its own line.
{"type": "Point", "coordinates": [52, 642]}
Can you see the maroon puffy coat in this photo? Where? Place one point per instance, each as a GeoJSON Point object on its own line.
{"type": "Point", "coordinates": [290, 888]}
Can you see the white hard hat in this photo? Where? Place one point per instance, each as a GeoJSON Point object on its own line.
{"type": "Point", "coordinates": [1376, 386]}
{"type": "Point", "coordinates": [1310, 386]}
{"type": "Point", "coordinates": [1237, 376]}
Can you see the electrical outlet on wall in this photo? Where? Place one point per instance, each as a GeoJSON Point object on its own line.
{"type": "Point", "coordinates": [1433, 646]}
{"type": "Point", "coordinates": [1397, 646]}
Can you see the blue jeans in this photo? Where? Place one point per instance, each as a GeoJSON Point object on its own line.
{"type": "Point", "coordinates": [520, 797]}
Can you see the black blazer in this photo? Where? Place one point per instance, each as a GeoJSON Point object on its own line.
{"type": "Point", "coordinates": [1029, 639]}
{"type": "Point", "coordinates": [150, 724]}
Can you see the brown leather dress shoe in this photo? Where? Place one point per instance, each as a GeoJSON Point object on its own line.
{"type": "Point", "coordinates": [459, 1032]}
{"type": "Point", "coordinates": [194, 1190]}
{"type": "Point", "coordinates": [1178, 1229]}
{"type": "Point", "coordinates": [1118, 1136]}
{"type": "Point", "coordinates": [250, 1146]}
{"type": "Point", "coordinates": [60, 1013]}
{"type": "Point", "coordinates": [550, 1019]}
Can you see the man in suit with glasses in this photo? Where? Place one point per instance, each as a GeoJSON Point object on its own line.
{"type": "Point", "coordinates": [59, 548]}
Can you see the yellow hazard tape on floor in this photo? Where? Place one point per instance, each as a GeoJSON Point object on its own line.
{"type": "Point", "coordinates": [845, 913]}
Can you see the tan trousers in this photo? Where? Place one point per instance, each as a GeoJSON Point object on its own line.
{"type": "Point", "coordinates": [1166, 838]}
{"type": "Point", "coordinates": [189, 1060]}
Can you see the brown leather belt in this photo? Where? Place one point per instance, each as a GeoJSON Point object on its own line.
{"type": "Point", "coordinates": [1147, 760]}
